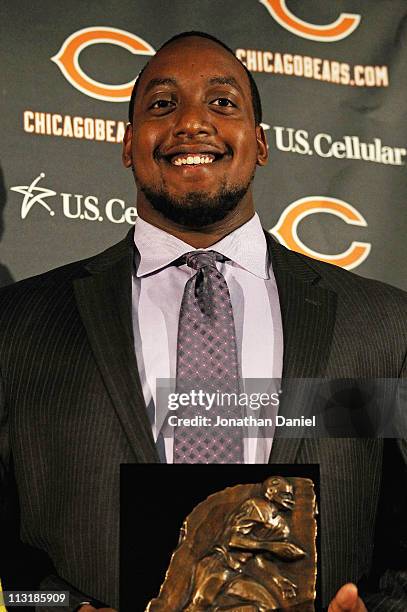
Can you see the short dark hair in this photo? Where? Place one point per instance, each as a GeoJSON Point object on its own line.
{"type": "Point", "coordinates": [257, 110]}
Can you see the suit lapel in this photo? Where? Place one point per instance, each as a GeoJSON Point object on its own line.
{"type": "Point", "coordinates": [104, 303]}
{"type": "Point", "coordinates": [308, 318]}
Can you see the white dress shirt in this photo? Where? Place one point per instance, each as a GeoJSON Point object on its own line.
{"type": "Point", "coordinates": [158, 288]}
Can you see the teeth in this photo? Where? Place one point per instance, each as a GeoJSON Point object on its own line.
{"type": "Point", "coordinates": [193, 160]}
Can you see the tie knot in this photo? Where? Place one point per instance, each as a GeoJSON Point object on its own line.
{"type": "Point", "coordinates": [200, 259]}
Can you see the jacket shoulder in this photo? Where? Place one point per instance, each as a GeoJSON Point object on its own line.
{"type": "Point", "coordinates": [56, 286]}
{"type": "Point", "coordinates": [349, 284]}
{"type": "Point", "coordinates": [344, 282]}
{"type": "Point", "coordinates": [57, 277]}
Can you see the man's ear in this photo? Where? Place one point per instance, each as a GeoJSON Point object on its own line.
{"type": "Point", "coordinates": [127, 156]}
{"type": "Point", "coordinates": [262, 146]}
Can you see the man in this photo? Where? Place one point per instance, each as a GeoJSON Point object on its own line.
{"type": "Point", "coordinates": [255, 530]}
{"type": "Point", "coordinates": [78, 368]}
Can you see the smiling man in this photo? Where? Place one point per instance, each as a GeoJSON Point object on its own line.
{"type": "Point", "coordinates": [197, 289]}
{"type": "Point", "coordinates": [194, 141]}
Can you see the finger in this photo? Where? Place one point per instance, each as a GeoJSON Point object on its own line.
{"type": "Point", "coordinates": [89, 608]}
{"type": "Point", "coordinates": [347, 597]}
{"type": "Point", "coordinates": [347, 600]}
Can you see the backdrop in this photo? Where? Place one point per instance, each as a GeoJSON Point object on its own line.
{"type": "Point", "coordinates": [333, 81]}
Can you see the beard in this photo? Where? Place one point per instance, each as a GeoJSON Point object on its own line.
{"type": "Point", "coordinates": [196, 209]}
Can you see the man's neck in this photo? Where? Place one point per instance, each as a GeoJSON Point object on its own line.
{"type": "Point", "coordinates": [198, 238]}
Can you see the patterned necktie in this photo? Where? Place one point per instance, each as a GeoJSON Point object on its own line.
{"type": "Point", "coordinates": [207, 360]}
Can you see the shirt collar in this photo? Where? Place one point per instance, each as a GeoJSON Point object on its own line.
{"type": "Point", "coordinates": [246, 246]}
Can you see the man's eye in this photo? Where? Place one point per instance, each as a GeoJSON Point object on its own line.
{"type": "Point", "coordinates": [223, 102]}
{"type": "Point", "coordinates": [162, 104]}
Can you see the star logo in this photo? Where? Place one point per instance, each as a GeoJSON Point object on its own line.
{"type": "Point", "coordinates": [34, 195]}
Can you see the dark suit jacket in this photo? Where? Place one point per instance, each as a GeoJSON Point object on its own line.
{"type": "Point", "coordinates": [73, 410]}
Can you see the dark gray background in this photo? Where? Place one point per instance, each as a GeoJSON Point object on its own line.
{"type": "Point", "coordinates": [33, 32]}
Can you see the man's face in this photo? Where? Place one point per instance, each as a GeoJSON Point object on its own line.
{"type": "Point", "coordinates": [281, 492]}
{"type": "Point", "coordinates": [194, 145]}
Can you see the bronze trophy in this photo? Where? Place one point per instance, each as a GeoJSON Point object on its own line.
{"type": "Point", "coordinates": [248, 548]}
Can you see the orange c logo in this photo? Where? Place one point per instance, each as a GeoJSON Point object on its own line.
{"type": "Point", "coordinates": [341, 28]}
{"type": "Point", "coordinates": [286, 229]}
{"type": "Point", "coordinates": [67, 60]}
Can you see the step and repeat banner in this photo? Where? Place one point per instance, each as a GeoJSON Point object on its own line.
{"type": "Point", "coordinates": [333, 81]}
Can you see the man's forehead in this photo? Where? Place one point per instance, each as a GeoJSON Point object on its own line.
{"type": "Point", "coordinates": [210, 80]}
{"type": "Point", "coordinates": [278, 482]}
{"type": "Point", "coordinates": [216, 65]}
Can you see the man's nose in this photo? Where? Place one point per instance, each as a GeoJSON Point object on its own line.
{"type": "Point", "coordinates": [193, 120]}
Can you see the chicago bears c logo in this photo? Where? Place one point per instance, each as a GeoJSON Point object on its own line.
{"type": "Point", "coordinates": [285, 229]}
{"type": "Point", "coordinates": [67, 60]}
{"type": "Point", "coordinates": [341, 28]}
